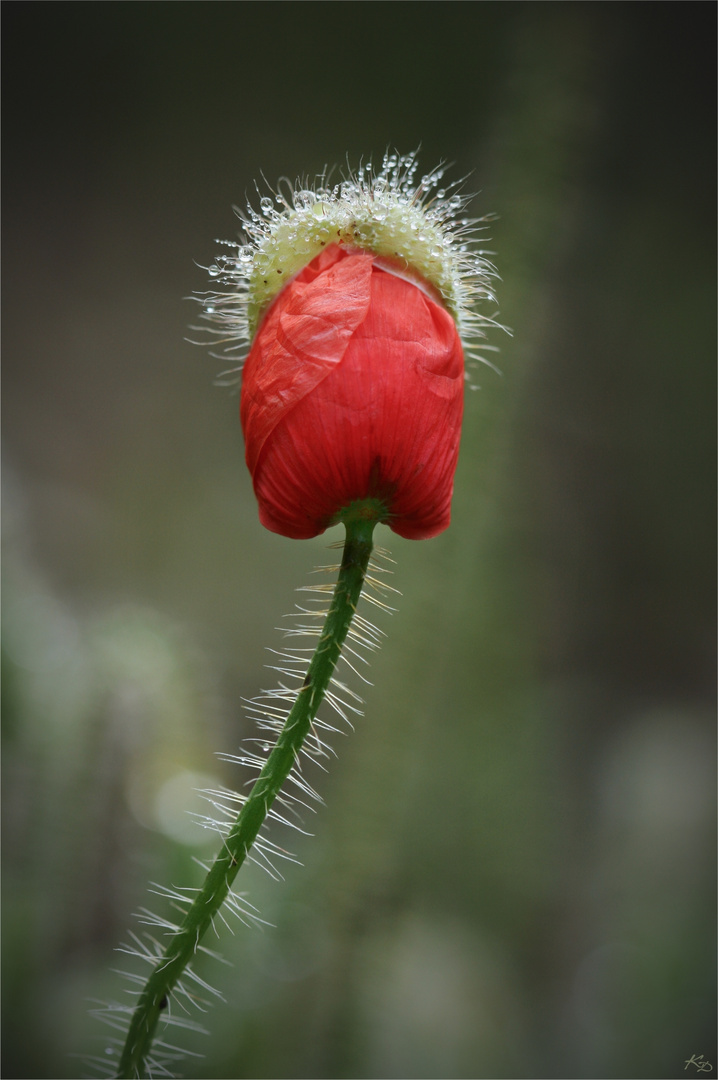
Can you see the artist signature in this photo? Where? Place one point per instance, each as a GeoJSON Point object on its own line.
{"type": "Point", "coordinates": [700, 1063]}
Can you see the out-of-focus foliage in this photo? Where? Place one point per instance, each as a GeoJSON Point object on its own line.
{"type": "Point", "coordinates": [514, 873]}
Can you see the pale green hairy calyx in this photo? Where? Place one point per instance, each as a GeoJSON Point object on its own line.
{"type": "Point", "coordinates": [414, 223]}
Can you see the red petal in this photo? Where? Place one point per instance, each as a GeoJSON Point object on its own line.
{"type": "Point", "coordinates": [383, 421]}
{"type": "Point", "coordinates": [303, 336]}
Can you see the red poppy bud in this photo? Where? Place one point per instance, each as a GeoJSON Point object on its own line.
{"type": "Point", "coordinates": [353, 301]}
{"type": "Point", "coordinates": [353, 393]}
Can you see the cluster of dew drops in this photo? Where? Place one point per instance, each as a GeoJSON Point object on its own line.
{"type": "Point", "coordinates": [427, 203]}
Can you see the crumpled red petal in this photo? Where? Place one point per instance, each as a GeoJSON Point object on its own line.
{"type": "Point", "coordinates": [303, 336]}
{"type": "Point", "coordinates": [375, 410]}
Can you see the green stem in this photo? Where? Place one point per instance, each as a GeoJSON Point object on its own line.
{"type": "Point", "coordinates": [169, 968]}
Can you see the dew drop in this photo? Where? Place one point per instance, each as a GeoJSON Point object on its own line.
{"type": "Point", "coordinates": [304, 199]}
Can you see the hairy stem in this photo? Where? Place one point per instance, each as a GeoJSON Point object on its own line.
{"type": "Point", "coordinates": [182, 947]}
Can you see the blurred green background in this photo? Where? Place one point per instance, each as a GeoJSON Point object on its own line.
{"type": "Point", "coordinates": [514, 874]}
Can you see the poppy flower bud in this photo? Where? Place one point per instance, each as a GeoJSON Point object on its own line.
{"type": "Point", "coordinates": [355, 301]}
